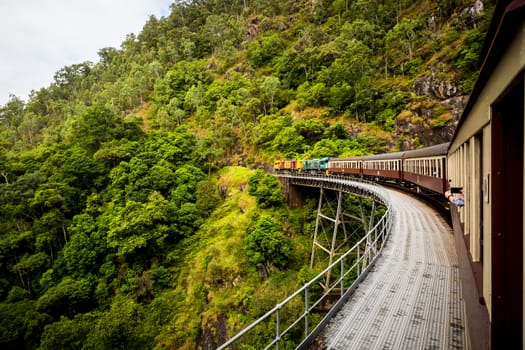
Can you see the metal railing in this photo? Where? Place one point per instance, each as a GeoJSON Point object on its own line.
{"type": "Point", "coordinates": [350, 268]}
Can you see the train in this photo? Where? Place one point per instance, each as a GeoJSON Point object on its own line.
{"type": "Point", "coordinates": [422, 169]}
{"type": "Point", "coordinates": [486, 157]}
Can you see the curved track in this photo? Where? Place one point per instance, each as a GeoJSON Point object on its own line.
{"type": "Point", "coordinates": [412, 298]}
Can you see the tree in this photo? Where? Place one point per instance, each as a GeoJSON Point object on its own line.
{"type": "Point", "coordinates": [266, 189]}
{"type": "Point", "coordinates": [186, 179]}
{"type": "Point", "coordinates": [12, 112]}
{"type": "Point", "coordinates": [403, 37]}
{"type": "Point", "coordinates": [120, 327]}
{"type": "Point", "coordinates": [207, 198]}
{"type": "Point", "coordinates": [69, 297]}
{"type": "Point", "coordinates": [68, 333]}
{"type": "Point", "coordinates": [114, 151]}
{"type": "Point", "coordinates": [288, 141]}
{"type": "Point", "coordinates": [29, 268]}
{"type": "Point", "coordinates": [71, 78]}
{"type": "Point", "coordinates": [82, 254]}
{"type": "Point", "coordinates": [141, 228]}
{"type": "Point", "coordinates": [324, 148]}
{"type": "Point", "coordinates": [262, 52]}
{"type": "Point", "coordinates": [269, 86]}
{"type": "Point", "coordinates": [266, 246]}
{"type": "Point", "coordinates": [95, 126]}
{"type": "Point", "coordinates": [21, 325]}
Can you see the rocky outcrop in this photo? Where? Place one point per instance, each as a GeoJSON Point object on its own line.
{"type": "Point", "coordinates": [433, 119]}
{"type": "Point", "coordinates": [447, 94]}
{"type": "Point", "coordinates": [434, 88]}
{"type": "Point", "coordinates": [469, 17]}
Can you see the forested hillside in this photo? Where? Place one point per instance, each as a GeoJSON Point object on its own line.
{"type": "Point", "coordinates": [131, 213]}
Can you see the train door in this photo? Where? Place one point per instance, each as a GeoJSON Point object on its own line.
{"type": "Point", "coordinates": [474, 193]}
{"type": "Point", "coordinates": [507, 219]}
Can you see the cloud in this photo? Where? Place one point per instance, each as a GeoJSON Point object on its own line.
{"type": "Point", "coordinates": [39, 37]}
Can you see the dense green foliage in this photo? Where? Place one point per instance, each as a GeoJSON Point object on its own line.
{"type": "Point", "coordinates": [122, 222]}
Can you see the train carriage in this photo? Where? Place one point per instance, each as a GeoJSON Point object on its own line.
{"type": "Point", "coordinates": [426, 167]}
{"type": "Point", "coordinates": [345, 166]}
{"type": "Point", "coordinates": [486, 158]}
{"type": "Point", "coordinates": [383, 165]}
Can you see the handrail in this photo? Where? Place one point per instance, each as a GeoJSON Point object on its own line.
{"type": "Point", "coordinates": [360, 257]}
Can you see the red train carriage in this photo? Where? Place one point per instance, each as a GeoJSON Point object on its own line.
{"type": "Point", "coordinates": [426, 167]}
{"type": "Point", "coordinates": [349, 166]}
{"type": "Point", "coordinates": [383, 165]}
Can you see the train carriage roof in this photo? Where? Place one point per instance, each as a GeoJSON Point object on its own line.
{"type": "Point", "coordinates": [384, 156]}
{"type": "Point", "coordinates": [436, 150]}
{"type": "Point", "coordinates": [345, 159]}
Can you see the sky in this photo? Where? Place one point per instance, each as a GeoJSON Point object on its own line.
{"type": "Point", "coordinates": [39, 37]}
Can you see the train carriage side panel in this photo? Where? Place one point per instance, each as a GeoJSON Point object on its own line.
{"type": "Point", "coordinates": [347, 166]}
{"type": "Point", "coordinates": [383, 165]}
{"type": "Point", "coordinates": [426, 167]}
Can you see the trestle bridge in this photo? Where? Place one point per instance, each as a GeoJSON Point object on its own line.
{"type": "Point", "coordinates": [390, 275]}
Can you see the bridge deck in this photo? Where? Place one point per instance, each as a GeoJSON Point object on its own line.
{"type": "Point", "coordinates": [412, 298]}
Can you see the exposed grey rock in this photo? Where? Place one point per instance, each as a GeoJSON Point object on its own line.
{"type": "Point", "coordinates": [469, 17]}
{"type": "Point", "coordinates": [441, 90]}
